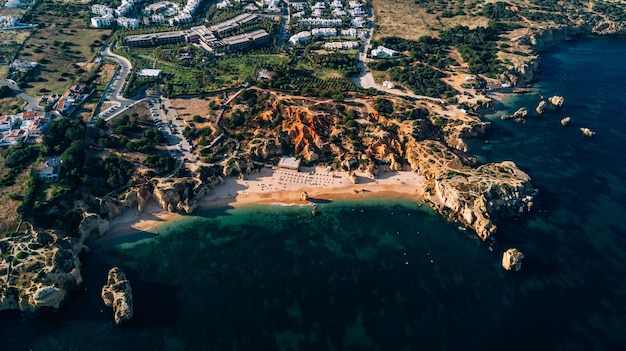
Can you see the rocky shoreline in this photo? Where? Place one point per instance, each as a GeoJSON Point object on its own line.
{"type": "Point", "coordinates": [39, 267]}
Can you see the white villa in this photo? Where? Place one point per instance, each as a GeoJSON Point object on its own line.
{"type": "Point", "coordinates": [49, 168]}
{"type": "Point", "coordinates": [382, 52]}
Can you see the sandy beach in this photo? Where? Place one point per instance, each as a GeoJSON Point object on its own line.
{"type": "Point", "coordinates": [279, 186]}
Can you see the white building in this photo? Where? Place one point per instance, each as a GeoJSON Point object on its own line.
{"type": "Point", "coordinates": [358, 22]}
{"type": "Point", "coordinates": [101, 10]}
{"type": "Point", "coordinates": [341, 45]}
{"type": "Point", "coordinates": [298, 6]}
{"type": "Point", "coordinates": [324, 32]}
{"type": "Point", "coordinates": [104, 21]}
{"type": "Point", "coordinates": [273, 6]}
{"type": "Point", "coordinates": [321, 22]}
{"type": "Point", "coordinates": [157, 18]}
{"type": "Point", "coordinates": [124, 8]}
{"type": "Point", "coordinates": [336, 4]}
{"type": "Point", "coordinates": [126, 22]}
{"type": "Point", "coordinates": [8, 21]}
{"type": "Point", "coordinates": [339, 13]}
{"type": "Point", "coordinates": [224, 4]}
{"type": "Point", "coordinates": [49, 168]}
{"type": "Point", "coordinates": [382, 52]}
{"type": "Point", "coordinates": [354, 3]}
{"type": "Point", "coordinates": [301, 37]}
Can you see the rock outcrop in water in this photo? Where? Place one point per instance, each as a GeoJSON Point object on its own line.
{"type": "Point", "coordinates": [541, 108]}
{"type": "Point", "coordinates": [118, 295]}
{"type": "Point", "coordinates": [587, 132]}
{"type": "Point", "coordinates": [518, 116]}
{"type": "Point", "coordinates": [566, 121]}
{"type": "Point", "coordinates": [473, 196]}
{"type": "Point", "coordinates": [37, 269]}
{"type": "Point", "coordinates": [512, 260]}
{"type": "Point", "coordinates": [556, 101]}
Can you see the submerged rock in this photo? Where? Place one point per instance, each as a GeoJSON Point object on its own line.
{"type": "Point", "coordinates": [512, 260]}
{"type": "Point", "coordinates": [118, 295]}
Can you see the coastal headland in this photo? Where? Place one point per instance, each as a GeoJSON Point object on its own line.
{"type": "Point", "coordinates": [406, 135]}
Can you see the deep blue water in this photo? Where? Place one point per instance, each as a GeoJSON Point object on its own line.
{"type": "Point", "coordinates": [385, 274]}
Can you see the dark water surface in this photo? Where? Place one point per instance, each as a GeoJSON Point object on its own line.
{"type": "Point", "coordinates": [389, 275]}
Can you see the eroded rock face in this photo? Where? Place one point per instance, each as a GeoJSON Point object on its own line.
{"type": "Point", "coordinates": [238, 166]}
{"type": "Point", "coordinates": [92, 224]}
{"type": "Point", "coordinates": [43, 267]}
{"type": "Point", "coordinates": [609, 28]}
{"type": "Point", "coordinates": [117, 294]}
{"type": "Point", "coordinates": [512, 260]}
{"type": "Point", "coordinates": [491, 191]}
{"type": "Point", "coordinates": [180, 195]}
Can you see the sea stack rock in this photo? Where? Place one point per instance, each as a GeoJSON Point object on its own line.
{"type": "Point", "coordinates": [565, 121]}
{"type": "Point", "coordinates": [541, 107]}
{"type": "Point", "coordinates": [118, 295]}
{"type": "Point", "coordinates": [556, 101]}
{"type": "Point", "coordinates": [512, 260]}
{"type": "Point", "coordinates": [587, 132]}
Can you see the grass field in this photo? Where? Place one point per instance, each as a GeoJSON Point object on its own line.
{"type": "Point", "coordinates": [406, 19]}
{"type": "Point", "coordinates": [10, 41]}
{"type": "Point", "coordinates": [63, 54]}
{"type": "Point", "coordinates": [4, 71]}
{"type": "Point", "coordinates": [11, 105]}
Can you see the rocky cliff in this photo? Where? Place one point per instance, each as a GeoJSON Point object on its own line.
{"type": "Point", "coordinates": [475, 196]}
{"type": "Point", "coordinates": [487, 193]}
{"type": "Point", "coordinates": [37, 270]}
{"type": "Point", "coordinates": [180, 195]}
{"type": "Point", "coordinates": [118, 295]}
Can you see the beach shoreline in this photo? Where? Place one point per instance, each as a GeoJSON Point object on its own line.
{"type": "Point", "coordinates": [278, 187]}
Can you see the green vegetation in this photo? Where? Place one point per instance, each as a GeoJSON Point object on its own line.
{"type": "Point", "coordinates": [5, 92]}
{"type": "Point", "coordinates": [422, 80]}
{"type": "Point", "coordinates": [614, 11]}
{"type": "Point", "coordinates": [345, 64]}
{"type": "Point", "coordinates": [17, 159]}
{"type": "Point", "coordinates": [303, 82]}
{"type": "Point", "coordinates": [67, 138]}
{"type": "Point", "coordinates": [477, 47]}
{"type": "Point", "coordinates": [498, 11]}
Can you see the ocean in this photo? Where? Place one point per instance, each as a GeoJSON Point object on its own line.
{"type": "Point", "coordinates": [390, 274]}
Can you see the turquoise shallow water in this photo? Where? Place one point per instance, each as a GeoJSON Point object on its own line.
{"type": "Point", "coordinates": [276, 278]}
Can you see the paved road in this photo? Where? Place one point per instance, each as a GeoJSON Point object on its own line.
{"type": "Point", "coordinates": [32, 103]}
{"type": "Point", "coordinates": [113, 93]}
